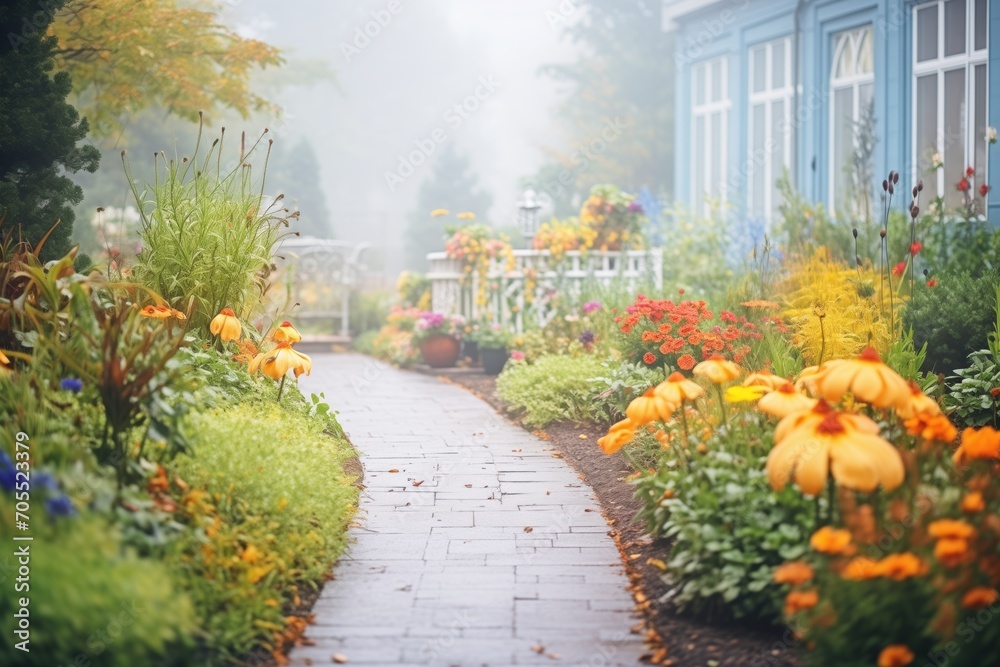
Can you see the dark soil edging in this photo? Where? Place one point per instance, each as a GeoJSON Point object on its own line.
{"type": "Point", "coordinates": [679, 640]}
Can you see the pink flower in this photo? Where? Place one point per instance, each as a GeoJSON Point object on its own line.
{"type": "Point", "coordinates": [983, 189]}
{"type": "Point", "coordinates": [517, 355]}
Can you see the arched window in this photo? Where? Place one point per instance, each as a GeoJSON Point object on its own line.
{"type": "Point", "coordinates": [852, 86]}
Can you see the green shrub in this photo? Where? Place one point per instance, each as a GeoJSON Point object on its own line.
{"type": "Point", "coordinates": [729, 531]}
{"type": "Point", "coordinates": [92, 597]}
{"type": "Point", "coordinates": [969, 400]}
{"type": "Point", "coordinates": [618, 384]}
{"type": "Point", "coordinates": [553, 388]}
{"type": "Point", "coordinates": [267, 510]}
{"type": "Point", "coordinates": [207, 236]}
{"type": "Point", "coordinates": [953, 319]}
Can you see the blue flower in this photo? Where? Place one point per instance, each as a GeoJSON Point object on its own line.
{"type": "Point", "coordinates": [8, 474]}
{"type": "Point", "coordinates": [61, 506]}
{"type": "Point", "coordinates": [71, 384]}
{"type": "Point", "coordinates": [587, 337]}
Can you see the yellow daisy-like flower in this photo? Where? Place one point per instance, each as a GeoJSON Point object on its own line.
{"type": "Point", "coordinates": [466, 215]}
{"type": "Point", "coordinates": [676, 389]}
{"type": "Point", "coordinates": [226, 325]}
{"type": "Point", "coordinates": [618, 436]}
{"type": "Point", "coordinates": [4, 361]}
{"type": "Point", "coordinates": [438, 212]}
{"type": "Point", "coordinates": [649, 407]}
{"type": "Point", "coordinates": [742, 394]}
{"type": "Point", "coordinates": [280, 360]}
{"type": "Point", "coordinates": [866, 378]}
{"type": "Point", "coordinates": [717, 369]}
{"type": "Point", "coordinates": [766, 379]}
{"type": "Point", "coordinates": [784, 401]}
{"type": "Point", "coordinates": [286, 333]}
{"type": "Point", "coordinates": [156, 312]}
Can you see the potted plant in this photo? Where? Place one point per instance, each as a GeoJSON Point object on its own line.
{"type": "Point", "coordinates": [439, 338]}
{"type": "Point", "coordinates": [470, 343]}
{"type": "Point", "coordinates": [493, 342]}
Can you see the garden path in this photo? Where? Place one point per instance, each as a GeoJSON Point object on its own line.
{"type": "Point", "coordinates": [474, 545]}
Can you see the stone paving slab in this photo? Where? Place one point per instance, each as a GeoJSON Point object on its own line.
{"type": "Point", "coordinates": [441, 569]}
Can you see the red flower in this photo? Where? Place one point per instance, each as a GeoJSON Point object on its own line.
{"type": "Point", "coordinates": [932, 282]}
{"type": "Point", "coordinates": [649, 358]}
{"type": "Point", "coordinates": [680, 291]}
{"type": "Point", "coordinates": [963, 185]}
{"type": "Point", "coordinates": [916, 247]}
{"type": "Point", "coordinates": [983, 189]}
{"type": "Point", "coordinates": [969, 172]}
{"type": "Point", "coordinates": [686, 362]}
{"type": "Point", "coordinates": [727, 316]}
{"type": "Point", "coordinates": [899, 268]}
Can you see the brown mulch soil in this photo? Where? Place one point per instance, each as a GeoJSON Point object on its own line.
{"type": "Point", "coordinates": [676, 639]}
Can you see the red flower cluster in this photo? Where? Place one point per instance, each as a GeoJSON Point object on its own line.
{"type": "Point", "coordinates": [662, 331]}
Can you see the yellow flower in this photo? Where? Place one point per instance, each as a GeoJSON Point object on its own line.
{"type": "Point", "coordinates": [676, 389]}
{"type": "Point", "coordinates": [897, 655]}
{"type": "Point", "coordinates": [828, 442]}
{"type": "Point", "coordinates": [156, 312]}
{"type": "Point", "coordinates": [286, 333]}
{"type": "Point", "coordinates": [740, 394]}
{"type": "Point", "coordinates": [717, 369]}
{"type": "Point", "coordinates": [278, 361]}
{"type": "Point", "coordinates": [226, 325]}
{"type": "Point", "coordinates": [648, 408]}
{"type": "Point", "coordinates": [832, 541]}
{"type": "Point", "coordinates": [785, 401]}
{"type": "Point", "coordinates": [866, 378]}
{"type": "Point", "coordinates": [766, 379]}
{"type": "Point", "coordinates": [467, 215]}
{"type": "Point", "coordinates": [807, 380]}
{"type": "Point", "coordinates": [438, 212]}
{"type": "Point", "coordinates": [258, 572]}
{"type": "Point", "coordinates": [618, 436]}
{"type": "Point", "coordinates": [918, 403]}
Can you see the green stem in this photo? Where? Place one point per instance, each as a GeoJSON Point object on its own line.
{"type": "Point", "coordinates": [722, 406]}
{"type": "Point", "coordinates": [831, 499]}
{"type": "Point", "coordinates": [281, 387]}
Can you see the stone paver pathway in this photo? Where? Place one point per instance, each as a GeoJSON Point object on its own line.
{"type": "Point", "coordinates": [474, 545]}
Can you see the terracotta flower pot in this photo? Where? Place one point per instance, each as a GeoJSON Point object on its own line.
{"type": "Point", "coordinates": [494, 359]}
{"type": "Point", "coordinates": [440, 350]}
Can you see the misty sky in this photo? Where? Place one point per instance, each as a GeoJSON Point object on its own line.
{"type": "Point", "coordinates": [400, 88]}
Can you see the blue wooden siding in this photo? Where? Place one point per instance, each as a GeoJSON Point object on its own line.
{"type": "Point", "coordinates": [711, 32]}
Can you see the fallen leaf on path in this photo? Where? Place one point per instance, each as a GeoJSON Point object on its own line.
{"type": "Point", "coordinates": [528, 529]}
{"type": "Point", "coordinates": [657, 563]}
{"type": "Point", "coordinates": [538, 649]}
{"type": "Point", "coordinates": [339, 658]}
{"type": "Point", "coordinates": [552, 656]}
{"type": "Point", "coordinates": [557, 455]}
{"type": "Point", "coordinates": [468, 486]}
{"type": "Point", "coordinates": [394, 470]}
{"type": "Point", "coordinates": [583, 436]}
{"type": "Point", "coordinates": [418, 483]}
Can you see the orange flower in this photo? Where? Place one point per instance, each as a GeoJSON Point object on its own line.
{"type": "Point", "coordinates": [717, 369]}
{"type": "Point", "coordinates": [973, 503]}
{"type": "Point", "coordinates": [618, 436]}
{"type": "Point", "coordinates": [156, 312]}
{"type": "Point", "coordinates": [676, 389]}
{"type": "Point", "coordinates": [286, 333]}
{"type": "Point", "coordinates": [279, 361]}
{"type": "Point", "coordinates": [4, 361]}
{"type": "Point", "coordinates": [897, 655]}
{"type": "Point", "coordinates": [860, 568]}
{"type": "Point", "coordinates": [797, 601]}
{"type": "Point", "coordinates": [918, 403]}
{"type": "Point", "coordinates": [766, 379]}
{"type": "Point", "coordinates": [983, 443]}
{"type": "Point", "coordinates": [832, 541]}
{"type": "Point", "coordinates": [649, 358]}
{"type": "Point", "coordinates": [936, 428]}
{"type": "Point", "coordinates": [866, 378]}
{"type": "Point", "coordinates": [813, 445]}
{"type": "Point", "coordinates": [793, 573]}
{"type": "Point", "coordinates": [685, 362]}
{"type": "Point", "coordinates": [901, 566]}
{"type": "Point", "coordinates": [649, 407]}
{"type": "Point", "coordinates": [226, 326]}
{"type": "Point", "coordinates": [979, 597]}
{"type": "Point", "coordinates": [757, 303]}
{"type": "Point", "coordinates": [951, 552]}
{"type": "Point", "coordinates": [806, 381]}
{"type": "Point", "coordinates": [950, 529]}
{"type": "Point", "coordinates": [785, 400]}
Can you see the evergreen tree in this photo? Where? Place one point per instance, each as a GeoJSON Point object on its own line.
{"type": "Point", "coordinates": [452, 185]}
{"type": "Point", "coordinates": [39, 130]}
{"type": "Point", "coordinates": [295, 173]}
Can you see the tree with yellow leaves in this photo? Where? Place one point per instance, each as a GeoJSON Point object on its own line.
{"type": "Point", "coordinates": [127, 55]}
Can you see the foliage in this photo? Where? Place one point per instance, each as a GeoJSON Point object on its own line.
{"type": "Point", "coordinates": [609, 220]}
{"type": "Point", "coordinates": [619, 383]}
{"type": "Point", "coordinates": [552, 388]}
{"type": "Point", "coordinates": [451, 184]}
{"type": "Point", "coordinates": [295, 170]}
{"type": "Point", "coordinates": [126, 611]}
{"type": "Point", "coordinates": [698, 258]}
{"type": "Point", "coordinates": [208, 235]}
{"type": "Point", "coordinates": [974, 397]}
{"type": "Point", "coordinates": [266, 502]}
{"type": "Point", "coordinates": [953, 318]}
{"type": "Point", "coordinates": [39, 132]}
{"type": "Point", "coordinates": [414, 290]}
{"type": "Point", "coordinates": [678, 335]}
{"type": "Point", "coordinates": [804, 225]}
{"type": "Point", "coordinates": [492, 336]}
{"type": "Point", "coordinates": [479, 249]}
{"type": "Point", "coordinates": [368, 310]}
{"type": "Point", "coordinates": [728, 530]}
{"type": "Point", "coordinates": [183, 59]}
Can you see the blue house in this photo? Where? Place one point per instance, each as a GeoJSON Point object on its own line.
{"type": "Point", "coordinates": [922, 78]}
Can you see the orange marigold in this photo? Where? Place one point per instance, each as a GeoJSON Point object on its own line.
{"type": "Point", "coordinates": [797, 601]}
{"type": "Point", "coordinates": [794, 573]}
{"type": "Point", "coordinates": [686, 362]}
{"type": "Point", "coordinates": [983, 443]}
{"type": "Point", "coordinates": [901, 566]}
{"type": "Point", "coordinates": [950, 529]}
{"type": "Point", "coordinates": [979, 597]}
{"type": "Point", "coordinates": [897, 655]}
{"type": "Point", "coordinates": [931, 427]}
{"type": "Point", "coordinates": [832, 541]}
{"type": "Point", "coordinates": [649, 358]}
{"type": "Point", "coordinates": [860, 568]}
{"type": "Point", "coordinates": [951, 551]}
{"type": "Point", "coordinates": [973, 503]}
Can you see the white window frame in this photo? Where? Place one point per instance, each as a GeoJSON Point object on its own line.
{"type": "Point", "coordinates": [707, 110]}
{"type": "Point", "coordinates": [767, 97]}
{"type": "Point", "coordinates": [841, 40]}
{"type": "Point", "coordinates": [939, 66]}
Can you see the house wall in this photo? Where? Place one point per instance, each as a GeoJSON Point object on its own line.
{"type": "Point", "coordinates": [731, 27]}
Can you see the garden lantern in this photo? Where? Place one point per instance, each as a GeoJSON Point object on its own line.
{"type": "Point", "coordinates": [527, 219]}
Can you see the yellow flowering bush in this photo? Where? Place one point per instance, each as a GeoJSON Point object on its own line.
{"type": "Point", "coordinates": [478, 247]}
{"type": "Point", "coordinates": [609, 220]}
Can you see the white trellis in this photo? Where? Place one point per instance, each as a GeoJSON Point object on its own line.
{"type": "Point", "coordinates": [534, 278]}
